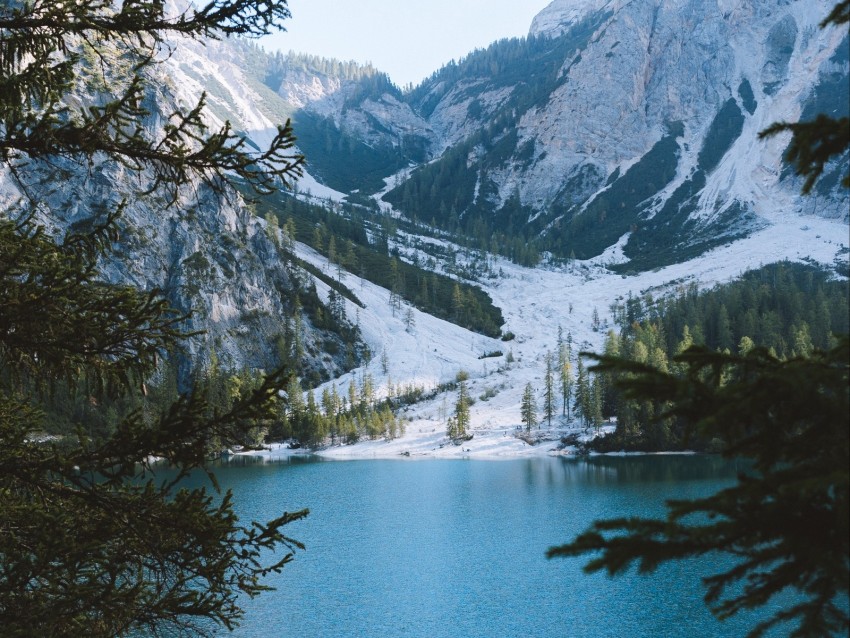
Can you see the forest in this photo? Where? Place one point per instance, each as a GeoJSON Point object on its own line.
{"type": "Point", "coordinates": [787, 309]}
{"type": "Point", "coordinates": [358, 241]}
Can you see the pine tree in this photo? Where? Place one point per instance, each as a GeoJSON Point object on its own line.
{"type": "Point", "coordinates": [549, 390]}
{"type": "Point", "coordinates": [458, 304]}
{"type": "Point", "coordinates": [565, 372]}
{"type": "Point", "coordinates": [461, 413]}
{"type": "Point", "coordinates": [566, 379]}
{"type": "Point", "coordinates": [289, 234]}
{"type": "Point", "coordinates": [528, 408]}
{"type": "Point", "coordinates": [409, 319]}
{"type": "Point", "coordinates": [451, 428]}
{"type": "Point", "coordinates": [745, 345]}
{"type": "Point", "coordinates": [582, 393]}
{"type": "Point", "coordinates": [353, 396]}
{"type": "Point", "coordinates": [596, 400]}
{"type": "Point", "coordinates": [367, 393]}
{"type": "Point", "coordinates": [122, 554]}
{"type": "Point", "coordinates": [332, 256]}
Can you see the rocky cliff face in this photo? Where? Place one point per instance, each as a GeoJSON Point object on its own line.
{"type": "Point", "coordinates": [615, 120]}
{"type": "Point", "coordinates": [208, 254]}
{"type": "Point", "coordinates": [725, 70]}
{"type": "Point", "coordinates": [629, 123]}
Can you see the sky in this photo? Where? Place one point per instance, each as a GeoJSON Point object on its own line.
{"type": "Point", "coordinates": [407, 39]}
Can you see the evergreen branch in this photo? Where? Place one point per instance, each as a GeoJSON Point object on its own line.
{"type": "Point", "coordinates": [840, 14]}
{"type": "Point", "coordinates": [787, 522]}
{"type": "Point", "coordinates": [813, 144]}
{"type": "Point", "coordinates": [62, 18]}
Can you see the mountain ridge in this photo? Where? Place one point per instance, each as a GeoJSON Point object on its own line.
{"type": "Point", "coordinates": [624, 72]}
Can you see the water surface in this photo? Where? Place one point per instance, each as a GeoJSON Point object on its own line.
{"type": "Point", "coordinates": [443, 548]}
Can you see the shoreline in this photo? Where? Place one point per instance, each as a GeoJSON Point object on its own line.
{"type": "Point", "coordinates": [490, 446]}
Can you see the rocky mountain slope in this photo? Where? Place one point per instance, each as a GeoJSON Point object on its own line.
{"type": "Point", "coordinates": [207, 253]}
{"type": "Point", "coordinates": [626, 129]}
{"type": "Point", "coordinates": [614, 120]}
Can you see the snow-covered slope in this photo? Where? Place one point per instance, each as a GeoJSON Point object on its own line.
{"type": "Point", "coordinates": [536, 302]}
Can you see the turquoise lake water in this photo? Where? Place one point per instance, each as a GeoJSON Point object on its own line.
{"type": "Point", "coordinates": [442, 549]}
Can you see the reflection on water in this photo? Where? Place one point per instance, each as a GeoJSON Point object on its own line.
{"type": "Point", "coordinates": [670, 468]}
{"type": "Point", "coordinates": [445, 548]}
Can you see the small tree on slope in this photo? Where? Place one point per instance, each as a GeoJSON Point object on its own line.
{"type": "Point", "coordinates": [528, 408]}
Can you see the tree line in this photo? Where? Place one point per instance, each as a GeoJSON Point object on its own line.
{"type": "Point", "coordinates": [788, 309]}
{"type": "Point", "coordinates": [358, 242]}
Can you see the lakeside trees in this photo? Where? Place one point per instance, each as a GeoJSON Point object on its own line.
{"type": "Point", "coordinates": [528, 408]}
{"type": "Point", "coordinates": [787, 524]}
{"type": "Point", "coordinates": [91, 542]}
{"type": "Point", "coordinates": [549, 389]}
{"type": "Point", "coordinates": [788, 309]}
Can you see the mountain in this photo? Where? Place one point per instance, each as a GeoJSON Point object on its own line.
{"type": "Point", "coordinates": [208, 254]}
{"type": "Point", "coordinates": [621, 137]}
{"type": "Point", "coordinates": [353, 124]}
{"type": "Point", "coordinates": [613, 121]}
{"type": "Point", "coordinates": [620, 131]}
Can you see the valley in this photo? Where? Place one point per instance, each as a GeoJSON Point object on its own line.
{"type": "Point", "coordinates": [515, 193]}
{"type": "Point", "coordinates": [612, 254]}
{"type": "Point", "coordinates": [535, 302]}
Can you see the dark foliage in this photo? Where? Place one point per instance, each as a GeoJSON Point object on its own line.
{"type": "Point", "coordinates": [788, 309]}
{"type": "Point", "coordinates": [91, 540]}
{"type": "Point", "coordinates": [786, 524]}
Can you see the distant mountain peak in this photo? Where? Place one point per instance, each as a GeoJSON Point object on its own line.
{"type": "Point", "coordinates": [561, 14]}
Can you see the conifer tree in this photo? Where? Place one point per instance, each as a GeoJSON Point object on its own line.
{"type": "Point", "coordinates": [549, 390]}
{"type": "Point", "coordinates": [119, 554]}
{"type": "Point", "coordinates": [528, 408]}
{"type": "Point", "coordinates": [460, 420]}
{"type": "Point", "coordinates": [565, 377]}
{"type": "Point", "coordinates": [458, 304]}
{"type": "Point", "coordinates": [745, 345]}
{"type": "Point", "coordinates": [596, 399]}
{"type": "Point", "coordinates": [582, 393]}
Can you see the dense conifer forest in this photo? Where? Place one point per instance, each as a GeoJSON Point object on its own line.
{"type": "Point", "coordinates": [788, 309]}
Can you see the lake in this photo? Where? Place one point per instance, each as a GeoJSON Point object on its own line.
{"type": "Point", "coordinates": [439, 548]}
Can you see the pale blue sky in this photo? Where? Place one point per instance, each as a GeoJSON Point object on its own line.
{"type": "Point", "coordinates": [408, 39]}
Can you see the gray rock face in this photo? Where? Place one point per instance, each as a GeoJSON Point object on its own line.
{"type": "Point", "coordinates": [657, 62]}
{"type": "Point", "coordinates": [374, 117]}
{"type": "Point", "coordinates": [209, 255]}
{"type": "Point", "coordinates": [560, 15]}
{"type": "Point", "coordinates": [633, 69]}
{"type": "Point", "coordinates": [778, 49]}
{"type": "Point", "coordinates": [629, 71]}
